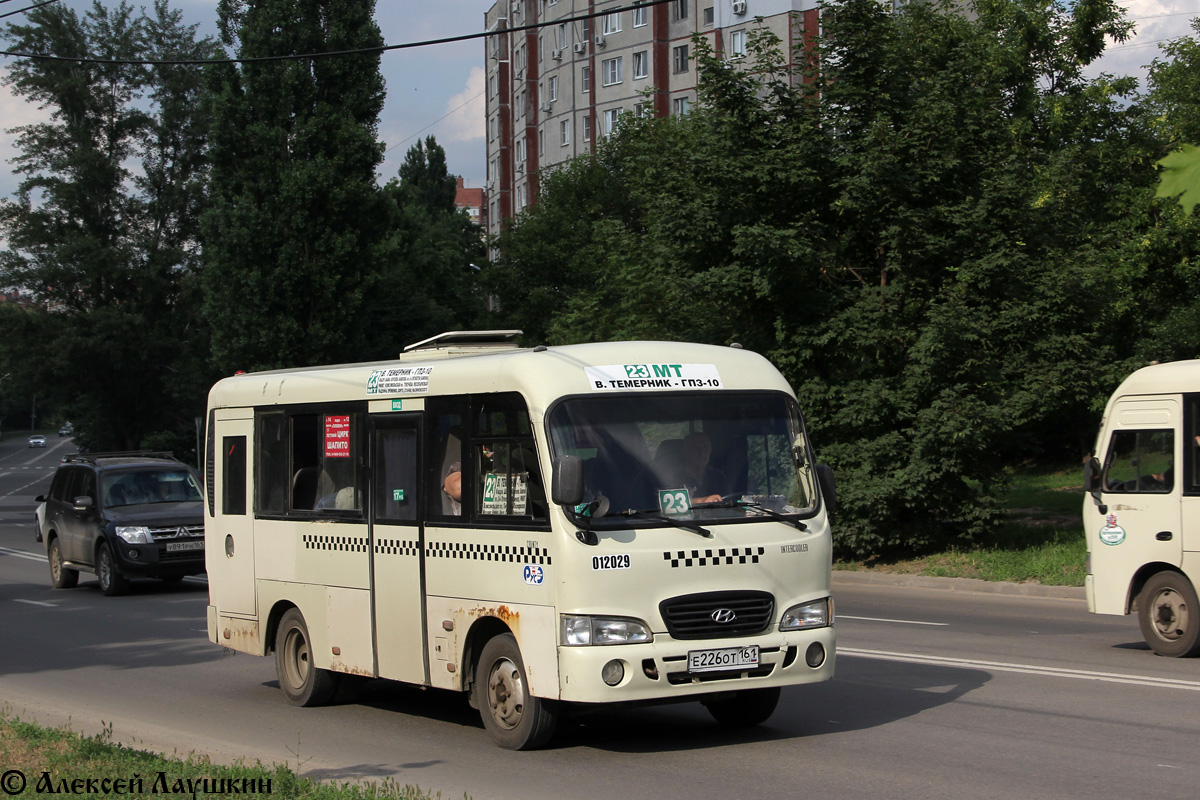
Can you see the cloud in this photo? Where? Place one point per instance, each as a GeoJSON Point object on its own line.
{"type": "Point", "coordinates": [467, 110]}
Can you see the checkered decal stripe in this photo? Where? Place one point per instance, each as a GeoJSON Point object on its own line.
{"type": "Point", "coordinates": [713, 558]}
{"type": "Point", "coordinates": [347, 544]}
{"type": "Point", "coordinates": [488, 552]}
{"type": "Point", "coordinates": [397, 547]}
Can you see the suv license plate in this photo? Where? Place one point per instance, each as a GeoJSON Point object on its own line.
{"type": "Point", "coordinates": [724, 659]}
{"type": "Point", "coordinates": [175, 547]}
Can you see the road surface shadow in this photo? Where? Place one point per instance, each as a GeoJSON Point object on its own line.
{"type": "Point", "coordinates": [866, 693]}
{"type": "Point", "coordinates": [155, 625]}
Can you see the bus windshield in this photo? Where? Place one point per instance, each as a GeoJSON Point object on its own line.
{"type": "Point", "coordinates": [727, 456]}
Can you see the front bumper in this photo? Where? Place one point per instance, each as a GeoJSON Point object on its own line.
{"type": "Point", "coordinates": [657, 671]}
{"type": "Point", "coordinates": [155, 560]}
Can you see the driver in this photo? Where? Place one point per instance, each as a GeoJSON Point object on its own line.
{"type": "Point", "coordinates": [703, 481]}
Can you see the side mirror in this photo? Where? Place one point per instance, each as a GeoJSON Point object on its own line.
{"type": "Point", "coordinates": [41, 498]}
{"type": "Point", "coordinates": [1091, 475]}
{"type": "Point", "coordinates": [84, 503]}
{"type": "Point", "coordinates": [566, 485]}
{"type": "Point", "coordinates": [828, 486]}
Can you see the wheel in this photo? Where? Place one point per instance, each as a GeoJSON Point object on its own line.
{"type": "Point", "coordinates": [515, 719]}
{"type": "Point", "coordinates": [746, 708]}
{"type": "Point", "coordinates": [62, 577]}
{"type": "Point", "coordinates": [1170, 615]}
{"type": "Point", "coordinates": [112, 582]}
{"type": "Point", "coordinates": [303, 683]}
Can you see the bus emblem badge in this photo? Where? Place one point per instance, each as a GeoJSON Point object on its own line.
{"type": "Point", "coordinates": [534, 574]}
{"type": "Point", "coordinates": [723, 616]}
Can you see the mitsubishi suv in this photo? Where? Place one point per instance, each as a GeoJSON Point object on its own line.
{"type": "Point", "coordinates": [121, 516]}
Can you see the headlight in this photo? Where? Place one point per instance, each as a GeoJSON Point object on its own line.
{"type": "Point", "coordinates": [579, 631]}
{"type": "Point", "coordinates": [817, 614]}
{"type": "Point", "coordinates": [134, 534]}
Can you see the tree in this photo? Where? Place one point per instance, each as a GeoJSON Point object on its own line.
{"type": "Point", "coordinates": [109, 249]}
{"type": "Point", "coordinates": [295, 219]}
{"type": "Point", "coordinates": [906, 231]}
{"type": "Point", "coordinates": [427, 280]}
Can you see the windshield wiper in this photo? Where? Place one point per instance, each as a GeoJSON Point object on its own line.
{"type": "Point", "coordinates": [770, 512]}
{"type": "Point", "coordinates": [678, 523]}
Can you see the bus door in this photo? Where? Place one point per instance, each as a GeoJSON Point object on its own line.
{"type": "Point", "coordinates": [1142, 485]}
{"type": "Point", "coordinates": [231, 543]}
{"type": "Point", "coordinates": [397, 545]}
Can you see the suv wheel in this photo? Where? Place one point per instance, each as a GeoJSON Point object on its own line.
{"type": "Point", "coordinates": [112, 582]}
{"type": "Point", "coordinates": [62, 577]}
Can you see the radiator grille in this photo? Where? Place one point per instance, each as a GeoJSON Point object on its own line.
{"type": "Point", "coordinates": [715, 615]}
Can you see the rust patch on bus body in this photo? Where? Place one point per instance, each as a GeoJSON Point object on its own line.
{"type": "Point", "coordinates": [241, 634]}
{"type": "Point", "coordinates": [338, 666]}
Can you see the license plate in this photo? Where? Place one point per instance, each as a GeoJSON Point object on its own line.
{"type": "Point", "coordinates": [175, 547]}
{"type": "Point", "coordinates": [724, 659]}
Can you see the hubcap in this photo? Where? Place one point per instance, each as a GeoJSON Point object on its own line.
{"type": "Point", "coordinates": [1170, 614]}
{"type": "Point", "coordinates": [297, 663]}
{"type": "Point", "coordinates": [506, 693]}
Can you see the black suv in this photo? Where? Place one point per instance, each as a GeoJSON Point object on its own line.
{"type": "Point", "coordinates": [123, 515]}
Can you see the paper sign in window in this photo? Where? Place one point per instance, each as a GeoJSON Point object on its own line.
{"type": "Point", "coordinates": [337, 436]}
{"type": "Point", "coordinates": [495, 493]}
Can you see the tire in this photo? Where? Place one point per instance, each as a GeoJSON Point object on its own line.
{"type": "Point", "coordinates": [515, 719]}
{"type": "Point", "coordinates": [112, 582]}
{"type": "Point", "coordinates": [303, 684]}
{"type": "Point", "coordinates": [60, 576]}
{"type": "Point", "coordinates": [745, 709]}
{"type": "Point", "coordinates": [1170, 615]}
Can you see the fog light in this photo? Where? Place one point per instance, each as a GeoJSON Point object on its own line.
{"type": "Point", "coordinates": [814, 656]}
{"type": "Point", "coordinates": [613, 672]}
{"type": "Point", "coordinates": [133, 555]}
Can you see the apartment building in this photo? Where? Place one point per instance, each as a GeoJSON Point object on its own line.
{"type": "Point", "coordinates": [561, 72]}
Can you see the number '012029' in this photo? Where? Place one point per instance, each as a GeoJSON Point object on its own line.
{"type": "Point", "coordinates": [610, 562]}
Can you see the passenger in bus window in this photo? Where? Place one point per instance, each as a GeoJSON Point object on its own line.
{"type": "Point", "coordinates": [452, 487]}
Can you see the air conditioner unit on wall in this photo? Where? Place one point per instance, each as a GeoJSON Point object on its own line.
{"type": "Point", "coordinates": [520, 168]}
{"type": "Point", "coordinates": [546, 107]}
{"type": "Point", "coordinates": [739, 6]}
{"type": "Point", "coordinates": [600, 42]}
{"type": "Point", "coordinates": [581, 47]}
{"type": "Point", "coordinates": [556, 55]}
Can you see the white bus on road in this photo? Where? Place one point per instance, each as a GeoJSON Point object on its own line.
{"type": "Point", "coordinates": [546, 529]}
{"type": "Point", "coordinates": [1142, 520]}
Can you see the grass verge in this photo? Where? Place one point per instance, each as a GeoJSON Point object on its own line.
{"type": "Point", "coordinates": [35, 761]}
{"type": "Point", "coordinates": [1041, 539]}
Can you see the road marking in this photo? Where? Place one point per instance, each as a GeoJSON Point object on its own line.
{"type": "Point", "coordinates": [8, 551]}
{"type": "Point", "coordinates": [897, 621]}
{"type": "Point", "coordinates": [35, 603]}
{"type": "Point", "coordinates": [1026, 669]}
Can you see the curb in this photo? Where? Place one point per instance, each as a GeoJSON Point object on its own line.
{"type": "Point", "coordinates": [966, 585]}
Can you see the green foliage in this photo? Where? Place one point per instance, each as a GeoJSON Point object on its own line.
{"type": "Point", "coordinates": [103, 230]}
{"type": "Point", "coordinates": [428, 262]}
{"type": "Point", "coordinates": [1181, 177]}
{"type": "Point", "coordinates": [908, 232]}
{"type": "Point", "coordinates": [295, 219]}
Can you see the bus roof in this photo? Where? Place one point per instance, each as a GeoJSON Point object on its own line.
{"type": "Point", "coordinates": [541, 374]}
{"type": "Point", "coordinates": [1175, 377]}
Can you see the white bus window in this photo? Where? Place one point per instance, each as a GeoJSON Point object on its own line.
{"type": "Point", "coordinates": [507, 479]}
{"type": "Point", "coordinates": [233, 471]}
{"type": "Point", "coordinates": [308, 462]}
{"type": "Point", "coordinates": [1140, 462]}
{"type": "Point", "coordinates": [396, 475]}
{"type": "Point", "coordinates": [729, 446]}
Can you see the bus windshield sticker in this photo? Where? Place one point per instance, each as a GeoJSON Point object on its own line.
{"type": "Point", "coordinates": [399, 380]}
{"type": "Point", "coordinates": [653, 376]}
{"type": "Point", "coordinates": [495, 493]}
{"type": "Point", "coordinates": [337, 436]}
{"type": "Point", "coordinates": [674, 502]}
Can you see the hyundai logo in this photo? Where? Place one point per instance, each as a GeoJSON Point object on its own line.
{"type": "Point", "coordinates": [723, 615]}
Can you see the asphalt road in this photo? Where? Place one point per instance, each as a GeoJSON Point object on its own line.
{"type": "Point", "coordinates": [939, 694]}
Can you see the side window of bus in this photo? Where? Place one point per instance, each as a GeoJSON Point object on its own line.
{"type": "Point", "coordinates": [1191, 444]}
{"type": "Point", "coordinates": [233, 470]}
{"type": "Point", "coordinates": [445, 456]}
{"type": "Point", "coordinates": [308, 462]}
{"type": "Point", "coordinates": [507, 479]}
{"type": "Point", "coordinates": [1140, 461]}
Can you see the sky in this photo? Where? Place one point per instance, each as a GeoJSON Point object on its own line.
{"type": "Point", "coordinates": [438, 90]}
